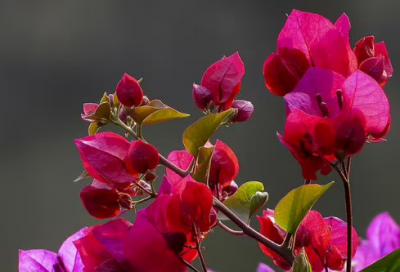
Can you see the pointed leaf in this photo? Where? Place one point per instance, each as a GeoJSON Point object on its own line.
{"type": "Point", "coordinates": [246, 201]}
{"type": "Point", "coordinates": [93, 128]}
{"type": "Point", "coordinates": [390, 263]}
{"type": "Point", "coordinates": [200, 132]}
{"type": "Point", "coordinates": [301, 263]}
{"type": "Point", "coordinates": [203, 164]}
{"type": "Point", "coordinates": [164, 115]}
{"type": "Point", "coordinates": [105, 98]}
{"type": "Point", "coordinates": [292, 209]}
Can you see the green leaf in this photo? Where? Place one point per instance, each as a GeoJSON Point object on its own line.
{"type": "Point", "coordinates": [203, 163]}
{"type": "Point", "coordinates": [154, 113]}
{"type": "Point", "coordinates": [164, 115]}
{"type": "Point", "coordinates": [390, 263]}
{"type": "Point", "coordinates": [105, 98]}
{"type": "Point", "coordinates": [301, 263]}
{"type": "Point", "coordinates": [200, 132]}
{"type": "Point", "coordinates": [93, 128]}
{"type": "Point", "coordinates": [247, 200]}
{"type": "Point", "coordinates": [115, 100]}
{"type": "Point", "coordinates": [292, 209]}
{"type": "Point", "coordinates": [84, 175]}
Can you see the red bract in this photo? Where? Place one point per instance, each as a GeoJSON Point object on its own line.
{"type": "Point", "coordinates": [373, 59]}
{"type": "Point", "coordinates": [324, 239]}
{"type": "Point", "coordinates": [103, 158]}
{"type": "Point", "coordinates": [224, 165]}
{"type": "Point", "coordinates": [330, 115]}
{"type": "Point", "coordinates": [223, 80]}
{"type": "Point", "coordinates": [103, 246]}
{"type": "Point", "coordinates": [183, 160]}
{"type": "Point", "coordinates": [129, 91]}
{"type": "Point", "coordinates": [89, 108]}
{"type": "Point", "coordinates": [104, 201]}
{"type": "Point", "coordinates": [272, 231]}
{"type": "Point", "coordinates": [142, 157]}
{"type": "Point", "coordinates": [167, 225]}
{"type": "Point", "coordinates": [305, 41]}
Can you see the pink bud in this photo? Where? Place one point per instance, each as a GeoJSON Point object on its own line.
{"type": "Point", "coordinates": [375, 68]}
{"type": "Point", "coordinates": [245, 110]}
{"type": "Point", "coordinates": [129, 91]}
{"type": "Point", "coordinates": [365, 48]}
{"type": "Point", "coordinates": [201, 96]}
{"type": "Point", "coordinates": [142, 157]}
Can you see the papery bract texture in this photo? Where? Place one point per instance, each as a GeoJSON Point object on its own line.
{"type": "Point", "coordinates": [129, 91]}
{"type": "Point", "coordinates": [142, 157]}
{"type": "Point", "coordinates": [223, 80]}
{"type": "Point", "coordinates": [103, 158]}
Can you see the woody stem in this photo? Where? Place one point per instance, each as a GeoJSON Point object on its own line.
{"type": "Point", "coordinates": [345, 176]}
{"type": "Point", "coordinates": [282, 250]}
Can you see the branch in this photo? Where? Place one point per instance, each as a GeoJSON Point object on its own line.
{"type": "Point", "coordinates": [282, 250]}
{"type": "Point", "coordinates": [229, 230]}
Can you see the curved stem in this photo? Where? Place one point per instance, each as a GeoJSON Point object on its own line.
{"type": "Point", "coordinates": [229, 230]}
{"type": "Point", "coordinates": [189, 265]}
{"type": "Point", "coordinates": [282, 250]}
{"type": "Point", "coordinates": [349, 213]}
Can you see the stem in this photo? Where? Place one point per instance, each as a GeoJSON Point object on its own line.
{"type": "Point", "coordinates": [349, 213]}
{"type": "Point", "coordinates": [143, 200]}
{"type": "Point", "coordinates": [152, 194]}
{"type": "Point", "coordinates": [345, 176]}
{"type": "Point", "coordinates": [189, 265]}
{"type": "Point", "coordinates": [283, 251]}
{"type": "Point", "coordinates": [202, 261]}
{"type": "Point", "coordinates": [229, 230]}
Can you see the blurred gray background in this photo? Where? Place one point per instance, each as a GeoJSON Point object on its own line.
{"type": "Point", "coordinates": [55, 55]}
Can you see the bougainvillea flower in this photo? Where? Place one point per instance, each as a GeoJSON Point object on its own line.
{"type": "Point", "coordinates": [129, 91]}
{"type": "Point", "coordinates": [331, 115]}
{"type": "Point", "coordinates": [66, 260]}
{"type": "Point", "coordinates": [324, 240]}
{"type": "Point", "coordinates": [142, 157]}
{"type": "Point", "coordinates": [224, 165]}
{"type": "Point", "coordinates": [103, 158]}
{"type": "Point", "coordinates": [373, 59]}
{"type": "Point", "coordinates": [308, 40]}
{"type": "Point", "coordinates": [383, 237]}
{"type": "Point", "coordinates": [104, 201]}
{"type": "Point", "coordinates": [223, 80]}
{"type": "Point", "coordinates": [245, 110]}
{"type": "Point", "coordinates": [102, 248]}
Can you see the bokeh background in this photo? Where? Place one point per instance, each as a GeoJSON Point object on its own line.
{"type": "Point", "coordinates": [55, 55]}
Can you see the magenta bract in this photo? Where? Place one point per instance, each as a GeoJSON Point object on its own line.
{"type": "Point", "coordinates": [129, 91]}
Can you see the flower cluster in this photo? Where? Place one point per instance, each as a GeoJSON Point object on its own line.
{"type": "Point", "coordinates": [334, 104]}
{"type": "Point", "coordinates": [333, 94]}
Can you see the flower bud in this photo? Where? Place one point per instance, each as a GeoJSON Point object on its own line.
{"type": "Point", "coordinates": [201, 96]}
{"type": "Point", "coordinates": [365, 48]}
{"type": "Point", "coordinates": [125, 200]}
{"type": "Point", "coordinates": [231, 189]}
{"type": "Point", "coordinates": [142, 157]}
{"type": "Point", "coordinates": [375, 68]}
{"type": "Point", "coordinates": [245, 110]}
{"type": "Point", "coordinates": [150, 176]}
{"type": "Point", "coordinates": [100, 203]}
{"type": "Point", "coordinates": [129, 91]}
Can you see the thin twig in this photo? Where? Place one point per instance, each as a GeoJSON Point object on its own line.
{"type": "Point", "coordinates": [189, 265]}
{"type": "Point", "coordinates": [229, 230]}
{"type": "Point", "coordinates": [202, 261]}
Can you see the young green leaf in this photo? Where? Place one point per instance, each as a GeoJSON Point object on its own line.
{"type": "Point", "coordinates": [248, 199]}
{"type": "Point", "coordinates": [203, 163]}
{"type": "Point", "coordinates": [292, 209]}
{"type": "Point", "coordinates": [93, 128]}
{"type": "Point", "coordinates": [154, 113]}
{"type": "Point", "coordinates": [390, 263]}
{"type": "Point", "coordinates": [301, 263]}
{"type": "Point", "coordinates": [200, 132]}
